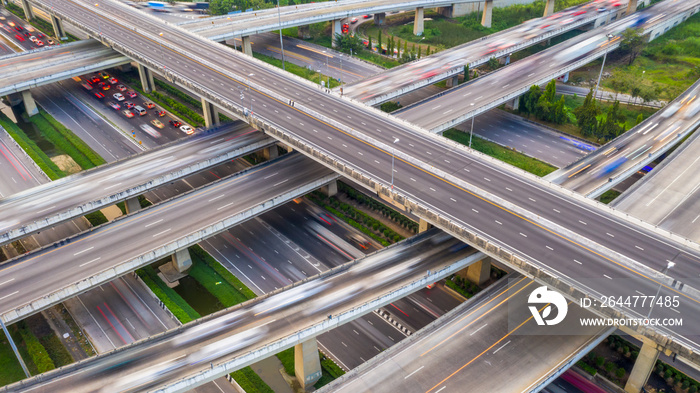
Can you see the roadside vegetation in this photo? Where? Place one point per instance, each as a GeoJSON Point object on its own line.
{"type": "Point", "coordinates": [10, 369]}
{"type": "Point", "coordinates": [609, 196]}
{"type": "Point", "coordinates": [304, 72]}
{"type": "Point", "coordinates": [250, 382]}
{"type": "Point", "coordinates": [329, 370]}
{"type": "Point", "coordinates": [504, 154]}
{"type": "Point", "coordinates": [31, 148]}
{"type": "Point", "coordinates": [172, 300]}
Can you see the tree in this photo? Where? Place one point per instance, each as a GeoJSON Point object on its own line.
{"type": "Point", "coordinates": [608, 129]}
{"type": "Point", "coordinates": [369, 43]}
{"type": "Point", "coordinates": [620, 372]}
{"type": "Point", "coordinates": [633, 42]}
{"type": "Point", "coordinates": [466, 72]}
{"type": "Point", "coordinates": [635, 90]}
{"type": "Point", "coordinates": [610, 367]}
{"type": "Point", "coordinates": [346, 43]}
{"type": "Point", "coordinates": [414, 48]}
{"type": "Point", "coordinates": [531, 99]}
{"type": "Point", "coordinates": [379, 41]}
{"type": "Point", "coordinates": [640, 118]}
{"type": "Point", "coordinates": [493, 63]}
{"type": "Point", "coordinates": [586, 115]}
{"type": "Point", "coordinates": [550, 91]}
{"type": "Point", "coordinates": [599, 361]}
{"type": "Point", "coordinates": [559, 111]}
{"type": "Point", "coordinates": [427, 52]}
{"type": "Point", "coordinates": [419, 50]}
{"type": "Point", "coordinates": [405, 47]}
{"type": "Point", "coordinates": [620, 82]}
{"type": "Point", "coordinates": [649, 93]}
{"type": "Point", "coordinates": [543, 108]}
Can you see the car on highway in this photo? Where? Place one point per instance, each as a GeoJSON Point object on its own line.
{"type": "Point", "coordinates": [129, 105]}
{"type": "Point", "coordinates": [39, 44]}
{"type": "Point", "coordinates": [40, 34]}
{"type": "Point", "coordinates": [118, 96]}
{"type": "Point", "coordinates": [353, 20]}
{"type": "Point", "coordinates": [149, 104]}
{"type": "Point", "coordinates": [346, 28]}
{"type": "Point", "coordinates": [150, 130]}
{"type": "Point", "coordinates": [103, 75]}
{"type": "Point", "coordinates": [115, 106]}
{"type": "Point", "coordinates": [159, 113]}
{"type": "Point", "coordinates": [366, 16]}
{"type": "Point", "coordinates": [86, 85]}
{"type": "Point", "coordinates": [131, 94]}
{"type": "Point", "coordinates": [33, 39]}
{"type": "Point", "coordinates": [99, 95]}
{"type": "Point", "coordinates": [128, 113]}
{"type": "Point", "coordinates": [94, 79]}
{"type": "Point", "coordinates": [112, 80]}
{"type": "Point", "coordinates": [187, 129]}
{"type": "Point", "coordinates": [175, 123]}
{"type": "Point", "coordinates": [103, 86]}
{"type": "Point", "coordinates": [157, 123]}
{"type": "Point", "coordinates": [121, 87]}
{"type": "Point", "coordinates": [50, 41]}
{"type": "Point", "coordinates": [19, 37]}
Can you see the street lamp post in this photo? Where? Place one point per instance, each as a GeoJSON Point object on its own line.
{"type": "Point", "coordinates": [99, 28]}
{"type": "Point", "coordinates": [250, 92]}
{"type": "Point", "coordinates": [328, 72]}
{"type": "Point", "coordinates": [162, 52]}
{"type": "Point", "coordinates": [471, 133]}
{"type": "Point", "coordinates": [396, 140]}
{"type": "Point", "coordinates": [668, 266]}
{"type": "Point", "coordinates": [605, 55]}
{"type": "Point", "coordinates": [279, 21]}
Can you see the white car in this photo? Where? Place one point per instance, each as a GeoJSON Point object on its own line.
{"type": "Point", "coordinates": [118, 96]}
{"type": "Point", "coordinates": [187, 129]}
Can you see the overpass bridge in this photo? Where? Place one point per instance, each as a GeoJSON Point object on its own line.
{"type": "Point", "coordinates": [321, 126]}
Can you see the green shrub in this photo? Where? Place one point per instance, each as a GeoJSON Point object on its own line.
{"type": "Point", "coordinates": [585, 367]}
{"type": "Point", "coordinates": [56, 350]}
{"type": "Point", "coordinates": [31, 148]}
{"type": "Point", "coordinates": [96, 218]}
{"type": "Point", "coordinates": [250, 381]}
{"type": "Point", "coordinates": [222, 271]}
{"type": "Point", "coordinates": [61, 143]}
{"type": "Point", "coordinates": [74, 140]}
{"type": "Point", "coordinates": [172, 300]}
{"type": "Point", "coordinates": [40, 357]}
{"type": "Point", "coordinates": [329, 366]}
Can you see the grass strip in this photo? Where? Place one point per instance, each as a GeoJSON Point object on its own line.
{"type": "Point", "coordinates": [303, 72]}
{"type": "Point", "coordinates": [172, 300]}
{"type": "Point", "coordinates": [50, 134]}
{"type": "Point", "coordinates": [198, 252]}
{"type": "Point", "coordinates": [79, 144]}
{"type": "Point", "coordinates": [31, 148]}
{"type": "Point", "coordinates": [227, 294]}
{"type": "Point", "coordinates": [56, 350]}
{"type": "Point", "coordinates": [38, 354]}
{"type": "Point", "coordinates": [10, 369]}
{"type": "Point", "coordinates": [287, 359]}
{"type": "Point", "coordinates": [96, 218]}
{"type": "Point", "coordinates": [512, 157]}
{"type": "Point", "coordinates": [250, 382]}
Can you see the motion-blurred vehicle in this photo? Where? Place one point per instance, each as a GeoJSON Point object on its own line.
{"type": "Point", "coordinates": [121, 87]}
{"type": "Point", "coordinates": [346, 28]}
{"type": "Point", "coordinates": [103, 75]}
{"type": "Point", "coordinates": [175, 123]}
{"type": "Point", "coordinates": [359, 241]}
{"type": "Point", "coordinates": [609, 168]}
{"type": "Point", "coordinates": [159, 113]}
{"type": "Point", "coordinates": [50, 41]}
{"type": "Point", "coordinates": [150, 130]}
{"type": "Point", "coordinates": [131, 94]}
{"type": "Point", "coordinates": [157, 123]}
{"type": "Point", "coordinates": [149, 104]}
{"type": "Point", "coordinates": [129, 105]}
{"type": "Point", "coordinates": [86, 85]}
{"type": "Point", "coordinates": [112, 80]}
{"type": "Point", "coordinates": [353, 20]}
{"type": "Point", "coordinates": [99, 95]}
{"type": "Point", "coordinates": [115, 106]}
{"type": "Point", "coordinates": [19, 37]}
{"type": "Point", "coordinates": [128, 113]}
{"type": "Point", "coordinates": [39, 44]}
{"type": "Point", "coordinates": [119, 97]}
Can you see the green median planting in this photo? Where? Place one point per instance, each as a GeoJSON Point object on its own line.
{"type": "Point", "coordinates": [31, 148]}
{"type": "Point", "coordinates": [174, 302]}
{"type": "Point", "coordinates": [60, 141]}
{"type": "Point", "coordinates": [250, 382]}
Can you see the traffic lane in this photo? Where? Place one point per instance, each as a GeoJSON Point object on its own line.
{"type": "Point", "coordinates": [244, 70]}
{"type": "Point", "coordinates": [165, 222]}
{"type": "Point", "coordinates": [220, 385]}
{"type": "Point", "coordinates": [410, 313]}
{"type": "Point", "coordinates": [15, 175]}
{"type": "Point", "coordinates": [684, 218]}
{"type": "Point", "coordinates": [355, 342]}
{"type": "Point", "coordinates": [59, 101]}
{"type": "Point", "coordinates": [271, 318]}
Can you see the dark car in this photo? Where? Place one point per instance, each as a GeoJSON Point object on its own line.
{"type": "Point", "coordinates": [175, 123]}
{"type": "Point", "coordinates": [99, 95]}
{"type": "Point", "coordinates": [160, 113]}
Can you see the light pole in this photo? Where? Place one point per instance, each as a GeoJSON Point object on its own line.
{"type": "Point", "coordinates": [668, 266]}
{"type": "Point", "coordinates": [98, 21]}
{"type": "Point", "coordinates": [392, 162]}
{"type": "Point", "coordinates": [162, 53]}
{"type": "Point", "coordinates": [471, 133]}
{"type": "Point", "coordinates": [341, 73]}
{"type": "Point", "coordinates": [250, 92]}
{"type": "Point", "coordinates": [328, 72]}
{"type": "Point", "coordinates": [605, 55]}
{"type": "Point", "coordinates": [279, 21]}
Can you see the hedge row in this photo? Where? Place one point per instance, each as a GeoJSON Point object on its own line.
{"type": "Point", "coordinates": [585, 367]}
{"type": "Point", "coordinates": [462, 286]}
{"type": "Point", "coordinates": [198, 251]}
{"type": "Point", "coordinates": [356, 225]}
{"type": "Point", "coordinates": [37, 352]}
{"type": "Point", "coordinates": [50, 133]}
{"type": "Point", "coordinates": [74, 140]}
{"type": "Point", "coordinates": [329, 366]}
{"type": "Point", "coordinates": [56, 350]}
{"type": "Point", "coordinates": [378, 206]}
{"type": "Point", "coordinates": [227, 294]}
{"type": "Point", "coordinates": [31, 148]}
{"type": "Point", "coordinates": [174, 91]}
{"type": "Point", "coordinates": [96, 218]}
{"type": "Point", "coordinates": [250, 382]}
{"type": "Point", "coordinates": [172, 300]}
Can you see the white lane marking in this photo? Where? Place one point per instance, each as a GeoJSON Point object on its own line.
{"type": "Point", "coordinates": [582, 222]}
{"type": "Point", "coordinates": [498, 222]}
{"type": "Point", "coordinates": [282, 182]}
{"type": "Point", "coordinates": [155, 222]}
{"type": "Point", "coordinates": [531, 199]}
{"type": "Point", "coordinates": [160, 233]}
{"type": "Point", "coordinates": [578, 262]}
{"type": "Point", "coordinates": [13, 293]}
{"type": "Point", "coordinates": [441, 389]}
{"type": "Point", "coordinates": [269, 176]}
{"type": "Point", "coordinates": [474, 332]}
{"type": "Point", "coordinates": [113, 185]}
{"type": "Point", "coordinates": [695, 219]}
{"type": "Point", "coordinates": [640, 293]}
{"type": "Point", "coordinates": [453, 200]}
{"type": "Point", "coordinates": [224, 206]}
{"type": "Point", "coordinates": [10, 280]}
{"type": "Point", "coordinates": [550, 248]}
{"type": "Point", "coordinates": [475, 211]}
{"type": "Point", "coordinates": [639, 248]}
{"type": "Point", "coordinates": [432, 189]}
{"type": "Point", "coordinates": [673, 309]}
{"type": "Point", "coordinates": [606, 276]}
{"type": "Point", "coordinates": [487, 179]}
{"type": "Point", "coordinates": [556, 210]}
{"type": "Point", "coordinates": [85, 250]}
{"type": "Point", "coordinates": [48, 208]}
{"type": "Point", "coordinates": [501, 347]}
{"type": "Point", "coordinates": [509, 189]}
{"type": "Point", "coordinates": [609, 234]}
{"type": "Point", "coordinates": [418, 369]}
{"type": "Point", "coordinates": [89, 262]}
{"type": "Point", "coordinates": [523, 235]}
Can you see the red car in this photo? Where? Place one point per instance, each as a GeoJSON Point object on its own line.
{"type": "Point", "coordinates": [129, 104]}
{"type": "Point", "coordinates": [40, 35]}
{"type": "Point", "coordinates": [99, 95]}
{"type": "Point", "coordinates": [131, 94]}
{"type": "Point", "coordinates": [346, 28]}
{"type": "Point", "coordinates": [366, 16]}
{"type": "Point", "coordinates": [175, 123]}
{"type": "Point", "coordinates": [160, 113]}
{"type": "Point", "coordinates": [19, 37]}
{"type": "Point", "coordinates": [94, 79]}
{"type": "Point", "coordinates": [39, 43]}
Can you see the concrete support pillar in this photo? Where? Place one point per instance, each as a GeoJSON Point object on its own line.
{"type": "Point", "coordinates": [132, 205]}
{"type": "Point", "coordinates": [307, 364]}
{"type": "Point", "coordinates": [58, 30]}
{"type": "Point", "coordinates": [479, 272]}
{"type": "Point", "coordinates": [28, 12]}
{"type": "Point", "coordinates": [453, 81]}
{"type": "Point", "coordinates": [631, 7]}
{"type": "Point", "coordinates": [565, 77]}
{"type": "Point", "coordinates": [488, 13]}
{"type": "Point", "coordinates": [304, 32]}
{"type": "Point", "coordinates": [336, 29]}
{"type": "Point", "coordinates": [423, 225]}
{"type": "Point", "coordinates": [418, 22]}
{"type": "Point", "coordinates": [330, 189]}
{"type": "Point", "coordinates": [211, 117]}
{"type": "Point", "coordinates": [514, 104]}
{"type": "Point", "coordinates": [14, 99]}
{"type": "Point", "coordinates": [270, 153]}
{"type": "Point", "coordinates": [29, 104]}
{"type": "Point", "coordinates": [504, 60]}
{"type": "Point", "coordinates": [379, 18]}
{"type": "Point", "coordinates": [146, 79]}
{"type": "Point", "coordinates": [549, 8]}
{"type": "Point", "coordinates": [182, 260]}
{"type": "Point", "coordinates": [460, 9]}
{"type": "Point", "coordinates": [247, 48]}
{"type": "Point", "coordinates": [643, 367]}
{"type": "Point", "coordinates": [125, 67]}
{"type": "Point", "coordinates": [445, 11]}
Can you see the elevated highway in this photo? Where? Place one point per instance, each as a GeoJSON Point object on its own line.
{"type": "Point", "coordinates": [48, 204]}
{"type": "Point", "coordinates": [443, 183]}
{"type": "Point", "coordinates": [188, 356]}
